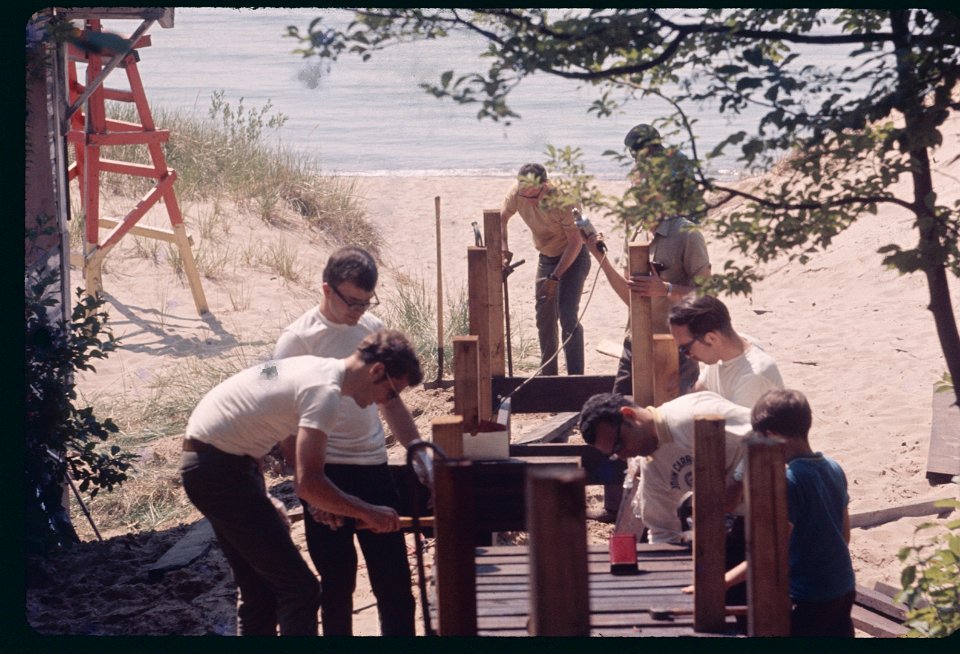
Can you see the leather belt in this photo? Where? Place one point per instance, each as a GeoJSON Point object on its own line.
{"type": "Point", "coordinates": [193, 445]}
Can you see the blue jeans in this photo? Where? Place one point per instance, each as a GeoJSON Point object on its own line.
{"type": "Point", "coordinates": [335, 556]}
{"type": "Point", "coordinates": [565, 307]}
{"type": "Point", "coordinates": [276, 586]}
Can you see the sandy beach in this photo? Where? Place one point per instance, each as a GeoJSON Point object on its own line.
{"type": "Point", "coordinates": [854, 337]}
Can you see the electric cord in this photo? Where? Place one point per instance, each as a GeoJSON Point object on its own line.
{"type": "Point", "coordinates": [583, 312]}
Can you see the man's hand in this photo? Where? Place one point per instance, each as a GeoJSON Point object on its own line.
{"type": "Point", "coordinates": [326, 518]}
{"type": "Point", "coordinates": [592, 244]}
{"type": "Point", "coordinates": [381, 519]}
{"type": "Point", "coordinates": [648, 285]}
{"type": "Point", "coordinates": [548, 289]}
{"type": "Point", "coordinates": [281, 509]}
{"type": "Point", "coordinates": [507, 257]}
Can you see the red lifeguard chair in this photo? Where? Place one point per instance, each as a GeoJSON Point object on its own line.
{"type": "Point", "coordinates": [91, 131]}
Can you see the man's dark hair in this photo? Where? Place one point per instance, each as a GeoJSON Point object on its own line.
{"type": "Point", "coordinates": [393, 350]}
{"type": "Point", "coordinates": [532, 171]}
{"type": "Point", "coordinates": [785, 412]}
{"type": "Point", "coordinates": [351, 264]}
{"type": "Point", "coordinates": [602, 407]}
{"type": "Point", "coordinates": [702, 315]}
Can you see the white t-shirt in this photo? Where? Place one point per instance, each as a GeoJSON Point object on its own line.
{"type": "Point", "coordinates": [357, 437]}
{"type": "Point", "coordinates": [250, 412]}
{"type": "Point", "coordinates": [667, 475]}
{"type": "Point", "coordinates": [743, 379]}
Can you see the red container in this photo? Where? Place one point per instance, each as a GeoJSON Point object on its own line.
{"type": "Point", "coordinates": [623, 554]}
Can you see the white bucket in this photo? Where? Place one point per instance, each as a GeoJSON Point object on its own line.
{"type": "Point", "coordinates": [492, 441]}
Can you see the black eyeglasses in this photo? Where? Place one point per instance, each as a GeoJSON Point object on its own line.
{"type": "Point", "coordinates": [394, 392]}
{"type": "Point", "coordinates": [353, 304]}
{"type": "Point", "coordinates": [685, 348]}
{"type": "Point", "coordinates": [617, 442]}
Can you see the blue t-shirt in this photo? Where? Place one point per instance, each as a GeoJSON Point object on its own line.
{"type": "Point", "coordinates": [820, 566]}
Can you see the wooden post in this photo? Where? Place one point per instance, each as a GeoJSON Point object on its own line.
{"type": "Point", "coordinates": [768, 571]}
{"type": "Point", "coordinates": [641, 329]}
{"type": "Point", "coordinates": [479, 291]}
{"type": "Point", "coordinates": [666, 369]}
{"type": "Point", "coordinates": [454, 508]}
{"type": "Point", "coordinates": [466, 381]}
{"type": "Point", "coordinates": [709, 537]}
{"type": "Point", "coordinates": [556, 521]}
{"type": "Point", "coordinates": [492, 241]}
{"type": "Point", "coordinates": [448, 435]}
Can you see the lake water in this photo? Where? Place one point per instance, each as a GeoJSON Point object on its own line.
{"type": "Point", "coordinates": [371, 118]}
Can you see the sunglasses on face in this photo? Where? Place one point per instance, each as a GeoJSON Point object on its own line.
{"type": "Point", "coordinates": [685, 348]}
{"type": "Point", "coordinates": [354, 304]}
{"type": "Point", "coordinates": [617, 442]}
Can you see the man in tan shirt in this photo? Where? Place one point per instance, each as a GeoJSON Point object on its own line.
{"type": "Point", "coordinates": [562, 267]}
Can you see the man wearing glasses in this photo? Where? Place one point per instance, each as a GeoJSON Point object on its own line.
{"type": "Point", "coordinates": [663, 437]}
{"type": "Point", "coordinates": [562, 267]}
{"type": "Point", "coordinates": [356, 456]}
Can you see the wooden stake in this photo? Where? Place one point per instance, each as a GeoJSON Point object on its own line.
{"type": "Point", "coordinates": [466, 380]}
{"type": "Point", "coordinates": [556, 521]}
{"type": "Point", "coordinates": [709, 537]}
{"type": "Point", "coordinates": [666, 369]}
{"type": "Point", "coordinates": [768, 580]}
{"type": "Point", "coordinates": [492, 240]}
{"type": "Point", "coordinates": [455, 559]}
{"type": "Point", "coordinates": [479, 291]}
{"type": "Point", "coordinates": [436, 206]}
{"type": "Point", "coordinates": [641, 329]}
{"type": "Point", "coordinates": [448, 435]}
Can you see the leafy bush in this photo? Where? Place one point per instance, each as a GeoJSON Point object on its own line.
{"type": "Point", "coordinates": [930, 582]}
{"type": "Point", "coordinates": [62, 439]}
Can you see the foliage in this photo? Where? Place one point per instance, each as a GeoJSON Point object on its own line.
{"type": "Point", "coordinates": [944, 384]}
{"type": "Point", "coordinates": [61, 438]}
{"type": "Point", "coordinates": [931, 581]}
{"type": "Point", "coordinates": [846, 149]}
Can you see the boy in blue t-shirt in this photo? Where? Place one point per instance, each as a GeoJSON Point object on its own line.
{"type": "Point", "coordinates": [822, 583]}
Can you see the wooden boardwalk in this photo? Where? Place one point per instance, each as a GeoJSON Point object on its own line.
{"type": "Point", "coordinates": [620, 605]}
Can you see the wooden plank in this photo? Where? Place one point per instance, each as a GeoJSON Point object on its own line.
{"type": "Point", "coordinates": [880, 603]}
{"type": "Point", "coordinates": [492, 240]}
{"type": "Point", "coordinates": [768, 581]}
{"type": "Point", "coordinates": [943, 460]}
{"type": "Point", "coordinates": [865, 519]}
{"type": "Point", "coordinates": [641, 328]}
{"type": "Point", "coordinates": [479, 310]}
{"type": "Point", "coordinates": [447, 434]}
{"type": "Point", "coordinates": [709, 534]}
{"type": "Point", "coordinates": [876, 625]}
{"type": "Point", "coordinates": [556, 522]}
{"type": "Point", "coordinates": [466, 380]}
{"type": "Point", "coordinates": [666, 369]}
{"type": "Point", "coordinates": [599, 468]}
{"type": "Point", "coordinates": [556, 428]}
{"type": "Point", "coordinates": [454, 559]}
{"type": "Point", "coordinates": [185, 551]}
{"type": "Point", "coordinates": [550, 394]}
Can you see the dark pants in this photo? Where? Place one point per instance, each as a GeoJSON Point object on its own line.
{"type": "Point", "coordinates": [623, 384]}
{"type": "Point", "coordinates": [276, 586]}
{"type": "Point", "coordinates": [335, 557]}
{"type": "Point", "coordinates": [829, 619]}
{"type": "Point", "coordinates": [565, 307]}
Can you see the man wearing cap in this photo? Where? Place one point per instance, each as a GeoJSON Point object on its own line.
{"type": "Point", "coordinates": [666, 199]}
{"type": "Point", "coordinates": [562, 268]}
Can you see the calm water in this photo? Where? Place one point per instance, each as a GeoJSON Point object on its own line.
{"type": "Point", "coordinates": [371, 118]}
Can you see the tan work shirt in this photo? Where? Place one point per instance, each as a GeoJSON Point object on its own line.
{"type": "Point", "coordinates": [548, 226]}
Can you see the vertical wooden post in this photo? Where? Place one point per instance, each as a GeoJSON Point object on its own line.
{"type": "Point", "coordinates": [466, 380]}
{"type": "Point", "coordinates": [709, 537]}
{"type": "Point", "coordinates": [641, 329]}
{"type": "Point", "coordinates": [454, 508]}
{"type": "Point", "coordinates": [666, 369]}
{"type": "Point", "coordinates": [556, 521]}
{"type": "Point", "coordinates": [448, 435]}
{"type": "Point", "coordinates": [768, 571]}
{"type": "Point", "coordinates": [479, 291]}
{"type": "Point", "coordinates": [492, 241]}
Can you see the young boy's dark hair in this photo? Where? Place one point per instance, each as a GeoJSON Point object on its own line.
{"type": "Point", "coordinates": [702, 315]}
{"type": "Point", "coordinates": [351, 264]}
{"type": "Point", "coordinates": [784, 412]}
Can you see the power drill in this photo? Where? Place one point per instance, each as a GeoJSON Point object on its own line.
{"type": "Point", "coordinates": [587, 229]}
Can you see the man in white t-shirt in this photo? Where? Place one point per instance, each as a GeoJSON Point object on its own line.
{"type": "Point", "coordinates": [238, 422]}
{"type": "Point", "coordinates": [663, 436]}
{"type": "Point", "coordinates": [735, 366]}
{"type": "Point", "coordinates": [356, 457]}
